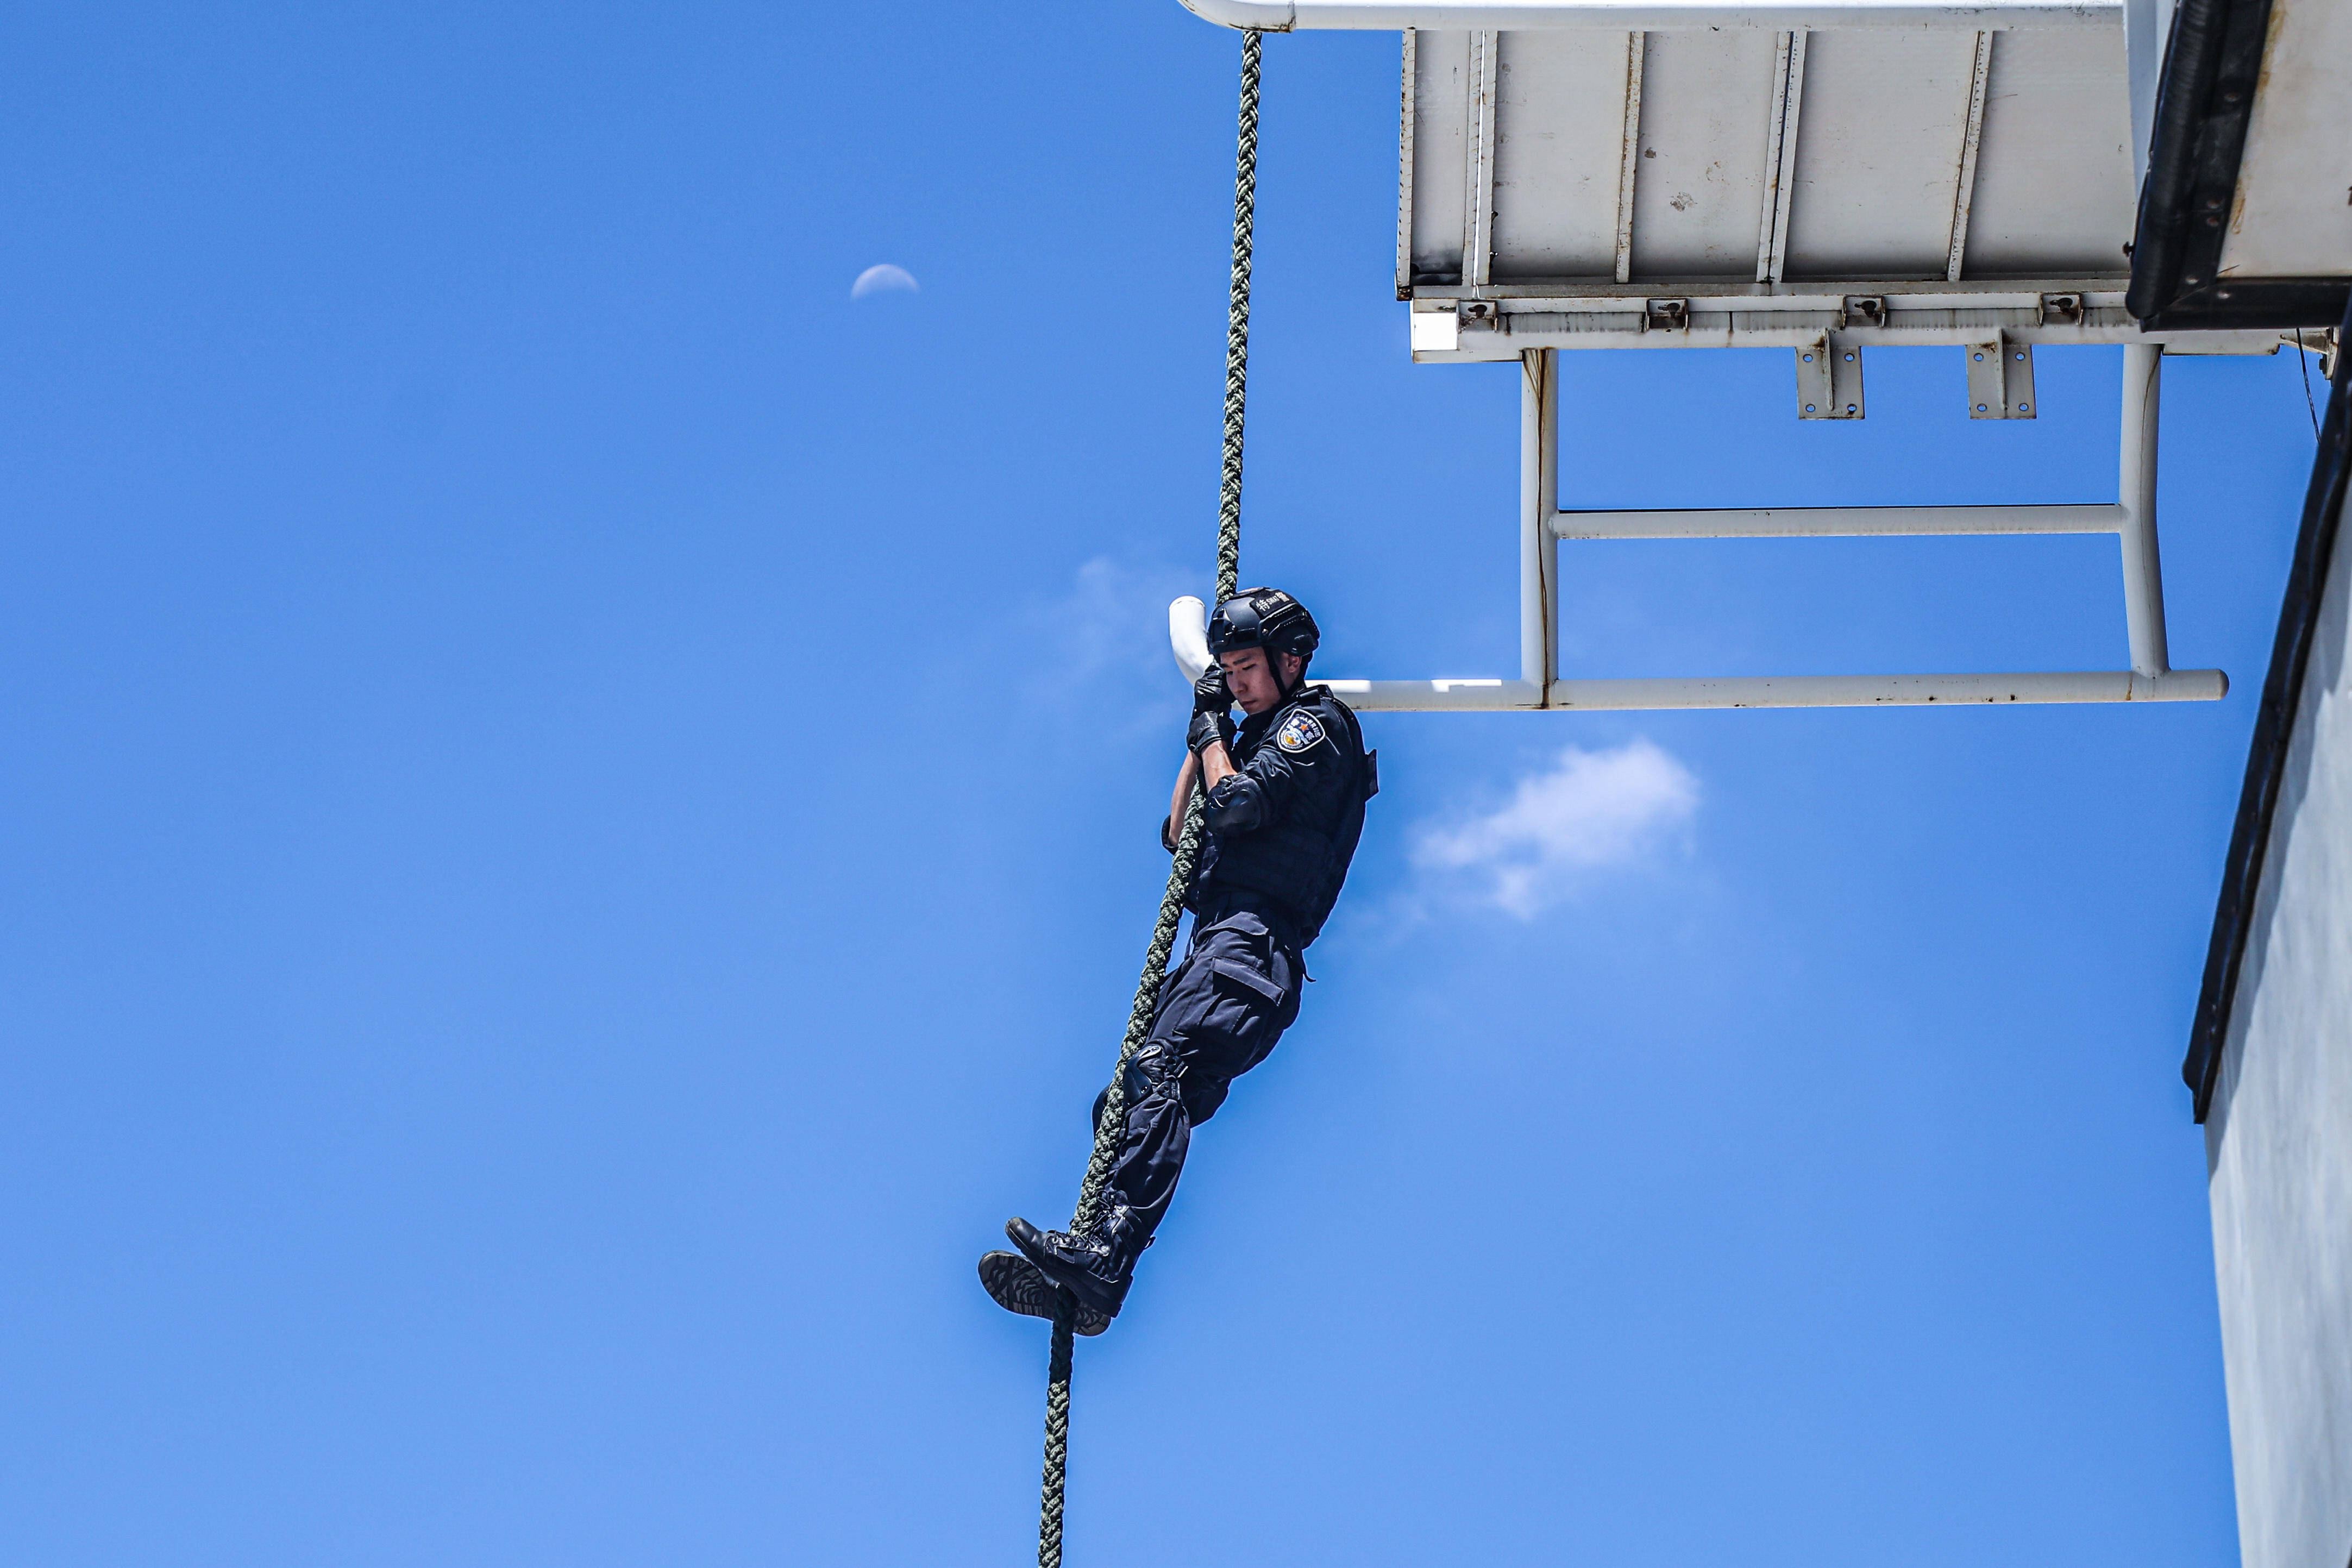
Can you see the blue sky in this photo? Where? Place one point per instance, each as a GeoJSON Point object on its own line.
{"type": "Point", "coordinates": [577, 811]}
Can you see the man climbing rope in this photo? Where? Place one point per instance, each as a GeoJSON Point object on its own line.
{"type": "Point", "coordinates": [1284, 806]}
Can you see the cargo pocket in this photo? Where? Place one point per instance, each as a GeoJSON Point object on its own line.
{"type": "Point", "coordinates": [1246, 1015]}
{"type": "Point", "coordinates": [1250, 981]}
{"type": "Point", "coordinates": [1270, 1005]}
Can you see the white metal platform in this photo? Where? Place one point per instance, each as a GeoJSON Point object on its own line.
{"type": "Point", "coordinates": [1820, 178]}
{"type": "Point", "coordinates": [1822, 190]}
{"type": "Point", "coordinates": [1542, 527]}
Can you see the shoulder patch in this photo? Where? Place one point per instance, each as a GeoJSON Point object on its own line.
{"type": "Point", "coordinates": [1301, 731]}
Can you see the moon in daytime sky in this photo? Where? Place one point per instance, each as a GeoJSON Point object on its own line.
{"type": "Point", "coordinates": [883, 280]}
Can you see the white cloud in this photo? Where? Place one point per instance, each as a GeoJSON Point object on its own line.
{"type": "Point", "coordinates": [883, 280]}
{"type": "Point", "coordinates": [1104, 644]}
{"type": "Point", "coordinates": [1591, 811]}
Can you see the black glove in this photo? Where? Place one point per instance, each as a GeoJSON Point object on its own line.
{"type": "Point", "coordinates": [1211, 694]}
{"type": "Point", "coordinates": [1208, 727]}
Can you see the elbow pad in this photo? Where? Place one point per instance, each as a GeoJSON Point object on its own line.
{"type": "Point", "coordinates": [1236, 806]}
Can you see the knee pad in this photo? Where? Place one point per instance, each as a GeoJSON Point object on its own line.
{"type": "Point", "coordinates": [1157, 1064]}
{"type": "Point", "coordinates": [1154, 1069]}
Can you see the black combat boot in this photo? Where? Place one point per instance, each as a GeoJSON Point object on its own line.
{"type": "Point", "coordinates": [1096, 1266]}
{"type": "Point", "coordinates": [1014, 1284]}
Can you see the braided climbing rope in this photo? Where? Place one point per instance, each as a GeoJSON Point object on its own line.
{"type": "Point", "coordinates": [1113, 1122]}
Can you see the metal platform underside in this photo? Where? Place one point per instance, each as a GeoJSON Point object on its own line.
{"type": "Point", "coordinates": [1755, 157]}
{"type": "Point", "coordinates": [1545, 526]}
{"type": "Point", "coordinates": [1967, 185]}
{"type": "Point", "coordinates": [1817, 176]}
{"type": "Point", "coordinates": [1573, 188]}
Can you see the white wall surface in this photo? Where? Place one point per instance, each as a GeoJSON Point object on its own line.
{"type": "Point", "coordinates": [2278, 1143]}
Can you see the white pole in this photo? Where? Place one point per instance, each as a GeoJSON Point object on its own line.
{"type": "Point", "coordinates": [1538, 495]}
{"type": "Point", "coordinates": [1840, 521]}
{"type": "Point", "coordinates": [1788, 691]}
{"type": "Point", "coordinates": [2135, 490]}
{"type": "Point", "coordinates": [1892, 690]}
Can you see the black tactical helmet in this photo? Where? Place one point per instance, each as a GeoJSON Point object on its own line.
{"type": "Point", "coordinates": [1263, 617]}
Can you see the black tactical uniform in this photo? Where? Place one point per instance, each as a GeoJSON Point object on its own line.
{"type": "Point", "coordinates": [1279, 835]}
{"type": "Point", "coordinates": [1281, 831]}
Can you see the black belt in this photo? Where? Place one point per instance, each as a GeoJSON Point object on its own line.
{"type": "Point", "coordinates": [1215, 906]}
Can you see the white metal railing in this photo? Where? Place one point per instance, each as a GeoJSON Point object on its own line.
{"type": "Point", "coordinates": [2131, 518]}
{"type": "Point", "coordinates": [1838, 521]}
{"type": "Point", "coordinates": [1658, 15]}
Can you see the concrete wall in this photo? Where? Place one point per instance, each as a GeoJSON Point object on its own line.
{"type": "Point", "coordinates": [2278, 1143]}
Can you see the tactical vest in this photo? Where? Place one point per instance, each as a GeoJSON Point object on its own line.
{"type": "Point", "coordinates": [1299, 861]}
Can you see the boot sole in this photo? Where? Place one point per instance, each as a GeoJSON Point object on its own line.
{"type": "Point", "coordinates": [1013, 1283]}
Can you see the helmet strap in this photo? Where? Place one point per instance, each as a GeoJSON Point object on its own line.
{"type": "Point", "coordinates": [1284, 685]}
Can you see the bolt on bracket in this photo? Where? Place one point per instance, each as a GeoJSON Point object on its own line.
{"type": "Point", "coordinates": [1862, 311]}
{"type": "Point", "coordinates": [2064, 310]}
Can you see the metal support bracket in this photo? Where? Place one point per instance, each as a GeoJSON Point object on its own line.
{"type": "Point", "coordinates": [2131, 518]}
{"type": "Point", "coordinates": [2000, 379]}
{"type": "Point", "coordinates": [1829, 378]}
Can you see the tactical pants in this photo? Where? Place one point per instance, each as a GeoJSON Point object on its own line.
{"type": "Point", "coordinates": [1220, 1011]}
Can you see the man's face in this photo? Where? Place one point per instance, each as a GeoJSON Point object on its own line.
{"type": "Point", "coordinates": [1252, 680]}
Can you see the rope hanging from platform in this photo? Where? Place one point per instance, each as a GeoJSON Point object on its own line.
{"type": "Point", "coordinates": [1113, 1120]}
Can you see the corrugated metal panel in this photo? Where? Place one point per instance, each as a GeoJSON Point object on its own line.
{"type": "Point", "coordinates": [1880, 176]}
{"type": "Point", "coordinates": [1878, 154]}
{"type": "Point", "coordinates": [1440, 90]}
{"type": "Point", "coordinates": [2057, 140]}
{"type": "Point", "coordinates": [1559, 118]}
{"type": "Point", "coordinates": [1698, 186]}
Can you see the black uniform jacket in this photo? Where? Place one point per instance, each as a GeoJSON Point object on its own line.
{"type": "Point", "coordinates": [1283, 828]}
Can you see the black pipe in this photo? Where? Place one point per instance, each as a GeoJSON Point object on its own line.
{"type": "Point", "coordinates": [2205, 100]}
{"type": "Point", "coordinates": [2299, 612]}
{"type": "Point", "coordinates": [2193, 59]}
